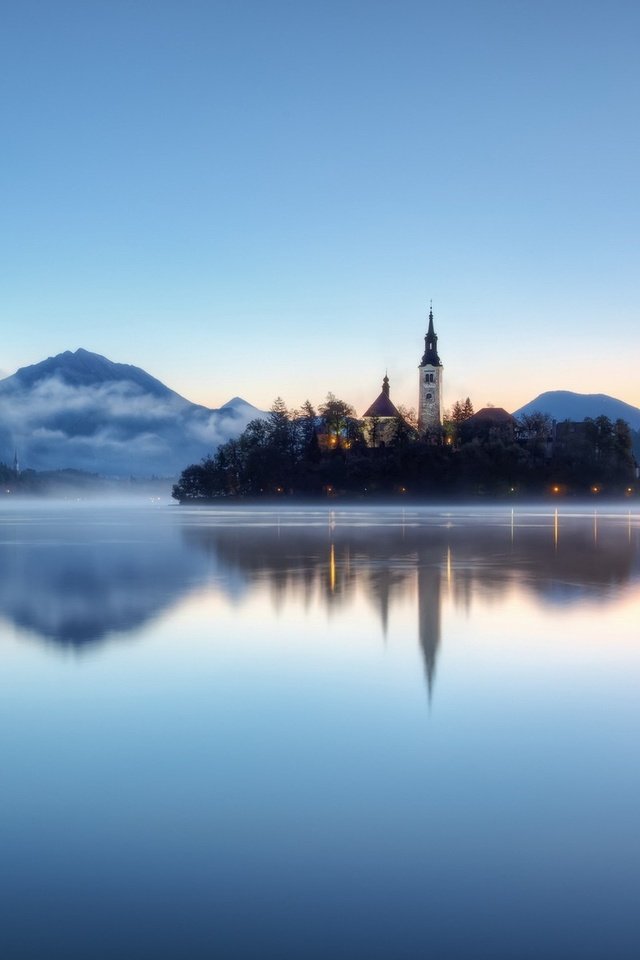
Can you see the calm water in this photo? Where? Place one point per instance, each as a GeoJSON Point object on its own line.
{"type": "Point", "coordinates": [377, 734]}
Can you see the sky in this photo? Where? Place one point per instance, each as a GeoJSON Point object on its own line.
{"type": "Point", "coordinates": [261, 198]}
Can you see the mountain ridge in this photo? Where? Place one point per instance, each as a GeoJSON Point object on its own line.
{"type": "Point", "coordinates": [84, 367]}
{"type": "Point", "coordinates": [80, 410]}
{"type": "Point", "coordinates": [568, 405]}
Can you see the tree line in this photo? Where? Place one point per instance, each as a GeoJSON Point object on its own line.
{"type": "Point", "coordinates": [324, 452]}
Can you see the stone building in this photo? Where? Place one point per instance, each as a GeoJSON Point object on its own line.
{"type": "Point", "coordinates": [380, 421]}
{"type": "Point", "coordinates": [570, 436]}
{"type": "Point", "coordinates": [489, 423]}
{"type": "Point", "coordinates": [430, 384]}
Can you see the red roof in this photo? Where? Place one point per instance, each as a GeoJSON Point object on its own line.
{"type": "Point", "coordinates": [382, 407]}
{"type": "Point", "coordinates": [491, 415]}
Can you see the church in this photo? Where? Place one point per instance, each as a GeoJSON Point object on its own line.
{"type": "Point", "coordinates": [380, 420]}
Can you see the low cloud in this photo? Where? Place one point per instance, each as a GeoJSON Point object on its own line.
{"type": "Point", "coordinates": [111, 428]}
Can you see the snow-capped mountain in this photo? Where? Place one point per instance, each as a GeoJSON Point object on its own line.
{"type": "Point", "coordinates": [81, 410]}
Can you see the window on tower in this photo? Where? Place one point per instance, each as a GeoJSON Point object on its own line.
{"type": "Point", "coordinates": [429, 396]}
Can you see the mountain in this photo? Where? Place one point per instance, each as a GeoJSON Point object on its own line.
{"type": "Point", "coordinates": [565, 405]}
{"type": "Point", "coordinates": [84, 369]}
{"type": "Point", "coordinates": [81, 410]}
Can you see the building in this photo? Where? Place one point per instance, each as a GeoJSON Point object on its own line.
{"type": "Point", "coordinates": [380, 421]}
{"type": "Point", "coordinates": [430, 384]}
{"type": "Point", "coordinates": [570, 437]}
{"type": "Point", "coordinates": [489, 423]}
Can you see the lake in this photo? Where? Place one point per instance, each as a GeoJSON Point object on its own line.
{"type": "Point", "coordinates": [342, 733]}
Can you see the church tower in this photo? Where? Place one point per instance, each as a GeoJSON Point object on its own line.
{"type": "Point", "coordinates": [430, 389]}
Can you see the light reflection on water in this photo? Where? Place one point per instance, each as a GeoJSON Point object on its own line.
{"type": "Point", "coordinates": [341, 732]}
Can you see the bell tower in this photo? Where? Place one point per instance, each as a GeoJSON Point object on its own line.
{"type": "Point", "coordinates": [430, 388]}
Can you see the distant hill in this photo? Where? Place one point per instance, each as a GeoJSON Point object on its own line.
{"type": "Point", "coordinates": [80, 410]}
{"type": "Point", "coordinates": [565, 405]}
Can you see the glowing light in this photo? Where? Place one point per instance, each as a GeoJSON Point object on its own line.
{"type": "Point", "coordinates": [332, 569]}
{"type": "Point", "coordinates": [555, 489]}
{"type": "Point", "coordinates": [595, 489]}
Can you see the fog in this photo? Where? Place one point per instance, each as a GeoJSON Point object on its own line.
{"type": "Point", "coordinates": [78, 571]}
{"type": "Point", "coordinates": [112, 428]}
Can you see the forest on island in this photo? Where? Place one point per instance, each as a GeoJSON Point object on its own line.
{"type": "Point", "coordinates": [315, 453]}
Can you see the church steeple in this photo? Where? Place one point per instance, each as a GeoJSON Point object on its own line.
{"type": "Point", "coordinates": [430, 355]}
{"type": "Point", "coordinates": [385, 385]}
{"type": "Point", "coordinates": [430, 385]}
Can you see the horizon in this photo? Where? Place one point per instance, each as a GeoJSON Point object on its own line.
{"type": "Point", "coordinates": [241, 197]}
{"type": "Point", "coordinates": [315, 401]}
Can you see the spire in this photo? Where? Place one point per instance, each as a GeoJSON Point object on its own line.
{"type": "Point", "coordinates": [431, 343]}
{"type": "Point", "coordinates": [382, 405]}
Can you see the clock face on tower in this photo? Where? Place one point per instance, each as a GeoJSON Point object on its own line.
{"type": "Point", "coordinates": [429, 412]}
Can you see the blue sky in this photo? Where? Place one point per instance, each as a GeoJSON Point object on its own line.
{"type": "Point", "coordinates": [260, 198]}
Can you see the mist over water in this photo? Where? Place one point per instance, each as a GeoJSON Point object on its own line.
{"type": "Point", "coordinates": [351, 732]}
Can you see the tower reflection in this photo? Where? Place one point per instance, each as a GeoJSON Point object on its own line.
{"type": "Point", "coordinates": [423, 563]}
{"type": "Point", "coordinates": [429, 618]}
{"type": "Point", "coordinates": [77, 584]}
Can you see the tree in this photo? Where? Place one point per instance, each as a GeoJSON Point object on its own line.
{"type": "Point", "coordinates": [409, 416]}
{"type": "Point", "coordinates": [623, 439]}
{"type": "Point", "coordinates": [405, 431]}
{"type": "Point", "coordinates": [594, 454]}
{"type": "Point", "coordinates": [278, 415]}
{"type": "Point", "coordinates": [200, 481]}
{"type": "Point", "coordinates": [336, 415]}
{"type": "Point", "coordinates": [306, 427]}
{"type": "Point", "coordinates": [454, 418]}
{"type": "Point", "coordinates": [535, 426]}
{"type": "Point", "coordinates": [455, 415]}
{"type": "Point", "coordinates": [312, 452]}
{"type": "Point", "coordinates": [280, 432]}
{"type": "Point", "coordinates": [535, 429]}
{"type": "Point", "coordinates": [373, 431]}
{"type": "Point", "coordinates": [461, 411]}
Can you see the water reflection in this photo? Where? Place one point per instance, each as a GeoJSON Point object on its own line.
{"type": "Point", "coordinates": [257, 752]}
{"type": "Point", "coordinates": [75, 581]}
{"type": "Point", "coordinates": [423, 558]}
